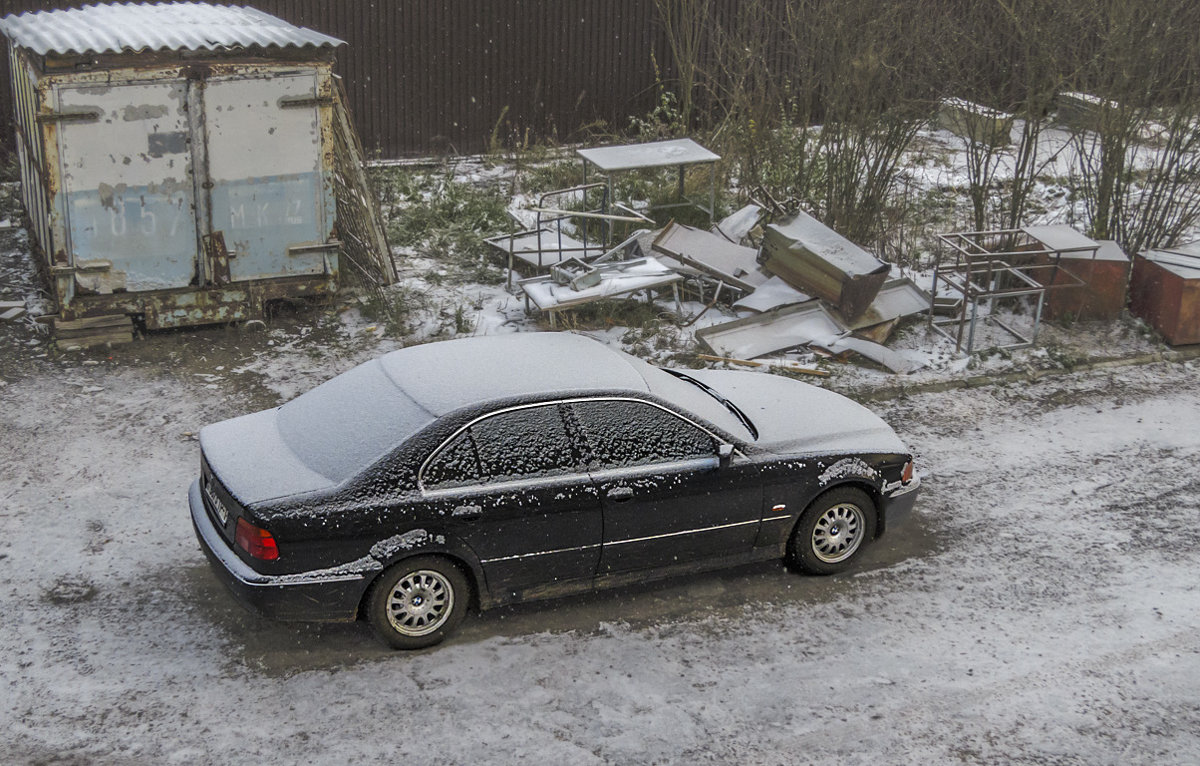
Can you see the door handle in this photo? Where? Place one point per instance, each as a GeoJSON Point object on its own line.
{"type": "Point", "coordinates": [467, 512]}
{"type": "Point", "coordinates": [620, 494]}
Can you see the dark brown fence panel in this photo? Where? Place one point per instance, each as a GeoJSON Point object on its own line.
{"type": "Point", "coordinates": [426, 76]}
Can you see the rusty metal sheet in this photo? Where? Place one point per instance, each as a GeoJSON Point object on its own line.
{"type": "Point", "coordinates": [815, 259]}
{"type": "Point", "coordinates": [712, 254]}
{"type": "Point", "coordinates": [1165, 291]}
{"type": "Point", "coordinates": [1102, 289]}
{"type": "Point", "coordinates": [179, 26]}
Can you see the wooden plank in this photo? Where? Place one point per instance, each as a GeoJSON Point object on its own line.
{"type": "Point", "coordinates": [782, 364]}
{"type": "Point", "coordinates": [109, 320]}
{"type": "Point", "coordinates": [12, 313]}
{"type": "Point", "coordinates": [99, 339]}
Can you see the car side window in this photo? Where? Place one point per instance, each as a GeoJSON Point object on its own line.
{"type": "Point", "coordinates": [455, 465]}
{"type": "Point", "coordinates": [523, 443]}
{"type": "Point", "coordinates": [625, 433]}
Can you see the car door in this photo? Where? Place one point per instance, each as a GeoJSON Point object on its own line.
{"type": "Point", "coordinates": [667, 499]}
{"type": "Point", "coordinates": [513, 489]}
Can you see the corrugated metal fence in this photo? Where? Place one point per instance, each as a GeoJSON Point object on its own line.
{"type": "Point", "coordinates": [434, 76]}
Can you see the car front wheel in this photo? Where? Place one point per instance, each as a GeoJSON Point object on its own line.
{"type": "Point", "coordinates": [418, 602]}
{"type": "Point", "coordinates": [832, 531]}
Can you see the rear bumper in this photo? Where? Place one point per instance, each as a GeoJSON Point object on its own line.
{"type": "Point", "coordinates": [322, 596]}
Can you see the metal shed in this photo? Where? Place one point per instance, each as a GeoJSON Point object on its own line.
{"type": "Point", "coordinates": [177, 159]}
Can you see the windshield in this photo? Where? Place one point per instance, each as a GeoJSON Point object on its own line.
{"type": "Point", "coordinates": [345, 424]}
{"type": "Point", "coordinates": [689, 396]}
{"type": "Point", "coordinates": [737, 412]}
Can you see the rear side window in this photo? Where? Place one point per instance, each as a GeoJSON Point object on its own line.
{"type": "Point", "coordinates": [624, 433]}
{"type": "Point", "coordinates": [456, 465]}
{"type": "Point", "coordinates": [530, 442]}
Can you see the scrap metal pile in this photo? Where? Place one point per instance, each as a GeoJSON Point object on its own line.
{"type": "Point", "coordinates": [802, 285]}
{"type": "Point", "coordinates": [806, 284]}
{"type": "Point", "coordinates": [799, 284]}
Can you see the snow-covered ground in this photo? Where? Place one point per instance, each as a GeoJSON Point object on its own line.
{"type": "Point", "coordinates": [1041, 605]}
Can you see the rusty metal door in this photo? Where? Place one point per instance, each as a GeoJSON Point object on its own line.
{"type": "Point", "coordinates": [264, 165]}
{"type": "Point", "coordinates": [125, 154]}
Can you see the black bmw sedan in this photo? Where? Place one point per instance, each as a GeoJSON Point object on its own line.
{"type": "Point", "coordinates": [485, 471]}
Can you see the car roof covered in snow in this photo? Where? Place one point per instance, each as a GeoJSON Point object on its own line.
{"type": "Point", "coordinates": [443, 377]}
{"type": "Point", "coordinates": [346, 423]}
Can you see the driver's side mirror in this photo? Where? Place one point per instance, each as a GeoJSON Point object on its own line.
{"type": "Point", "coordinates": [725, 453]}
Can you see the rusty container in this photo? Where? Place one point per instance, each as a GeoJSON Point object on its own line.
{"type": "Point", "coordinates": [1102, 295]}
{"type": "Point", "coordinates": [1164, 290]}
{"type": "Point", "coordinates": [176, 159]}
{"type": "Point", "coordinates": [817, 260]}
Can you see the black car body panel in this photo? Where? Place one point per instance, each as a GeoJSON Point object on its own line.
{"type": "Point", "coordinates": [587, 481]}
{"type": "Point", "coordinates": [312, 596]}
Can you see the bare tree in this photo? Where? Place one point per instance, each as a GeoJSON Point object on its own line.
{"type": "Point", "coordinates": [685, 23]}
{"type": "Point", "coordinates": [1139, 154]}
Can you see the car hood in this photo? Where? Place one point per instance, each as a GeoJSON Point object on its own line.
{"type": "Point", "coordinates": [253, 462]}
{"type": "Point", "coordinates": [794, 417]}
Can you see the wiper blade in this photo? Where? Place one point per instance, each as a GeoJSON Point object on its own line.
{"type": "Point", "coordinates": [737, 412]}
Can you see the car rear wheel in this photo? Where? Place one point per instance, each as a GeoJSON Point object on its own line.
{"type": "Point", "coordinates": [418, 602]}
{"type": "Point", "coordinates": [832, 531]}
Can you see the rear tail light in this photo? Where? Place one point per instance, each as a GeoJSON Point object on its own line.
{"type": "Point", "coordinates": [256, 541]}
{"type": "Point", "coordinates": [907, 475]}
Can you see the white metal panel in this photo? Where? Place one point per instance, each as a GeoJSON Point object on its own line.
{"type": "Point", "coordinates": [127, 183]}
{"type": "Point", "coordinates": [265, 165]}
{"type": "Point", "coordinates": [657, 154]}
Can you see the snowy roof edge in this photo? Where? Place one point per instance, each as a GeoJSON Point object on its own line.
{"type": "Point", "coordinates": [174, 26]}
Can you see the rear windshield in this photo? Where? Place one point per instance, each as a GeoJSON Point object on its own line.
{"type": "Point", "coordinates": [345, 424]}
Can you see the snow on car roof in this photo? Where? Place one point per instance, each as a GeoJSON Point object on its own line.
{"type": "Point", "coordinates": [443, 377]}
{"type": "Point", "coordinates": [346, 423]}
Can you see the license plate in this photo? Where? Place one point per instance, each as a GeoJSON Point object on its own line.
{"type": "Point", "coordinates": [217, 506]}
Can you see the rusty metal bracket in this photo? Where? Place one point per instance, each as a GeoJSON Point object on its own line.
{"type": "Point", "coordinates": [323, 247]}
{"type": "Point", "coordinates": [79, 116]}
{"type": "Point", "coordinates": [297, 102]}
{"type": "Point", "coordinates": [217, 257]}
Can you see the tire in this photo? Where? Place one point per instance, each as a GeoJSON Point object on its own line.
{"type": "Point", "coordinates": [418, 602]}
{"type": "Point", "coordinates": [832, 531]}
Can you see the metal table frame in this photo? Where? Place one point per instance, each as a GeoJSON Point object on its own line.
{"type": "Point", "coordinates": [679, 153]}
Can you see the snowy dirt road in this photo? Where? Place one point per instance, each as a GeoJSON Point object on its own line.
{"type": "Point", "coordinates": [1042, 606]}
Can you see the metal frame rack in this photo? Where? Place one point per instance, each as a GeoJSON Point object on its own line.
{"type": "Point", "coordinates": [987, 268]}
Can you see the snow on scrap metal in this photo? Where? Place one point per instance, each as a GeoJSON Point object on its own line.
{"type": "Point", "coordinates": [160, 26]}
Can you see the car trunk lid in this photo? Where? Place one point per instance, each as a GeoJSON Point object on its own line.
{"type": "Point", "coordinates": [252, 461]}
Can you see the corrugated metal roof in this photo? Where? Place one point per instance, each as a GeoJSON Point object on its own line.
{"type": "Point", "coordinates": [179, 26]}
